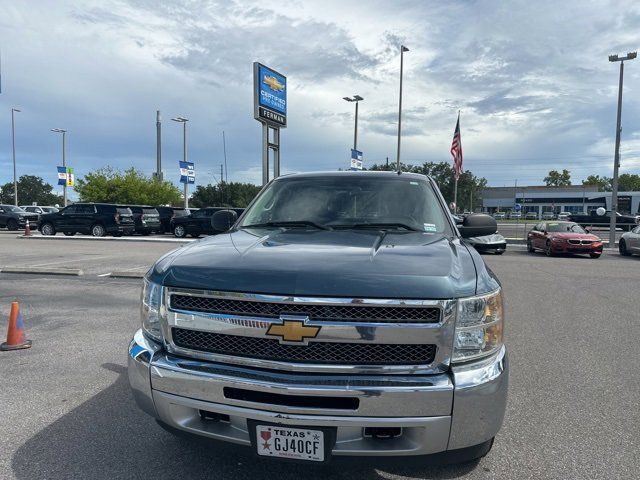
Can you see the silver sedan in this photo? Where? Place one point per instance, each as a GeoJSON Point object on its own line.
{"type": "Point", "coordinates": [630, 242]}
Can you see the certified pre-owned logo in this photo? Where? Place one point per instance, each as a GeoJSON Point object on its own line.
{"type": "Point", "coordinates": [293, 331]}
{"type": "Point", "coordinates": [273, 83]}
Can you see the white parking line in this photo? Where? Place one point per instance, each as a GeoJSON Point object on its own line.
{"type": "Point", "coordinates": [72, 260]}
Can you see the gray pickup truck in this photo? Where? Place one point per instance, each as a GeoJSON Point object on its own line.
{"type": "Point", "coordinates": [342, 314]}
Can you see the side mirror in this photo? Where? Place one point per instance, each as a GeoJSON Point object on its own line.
{"type": "Point", "coordinates": [223, 220]}
{"type": "Point", "coordinates": [478, 225]}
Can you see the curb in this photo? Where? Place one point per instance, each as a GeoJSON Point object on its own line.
{"type": "Point", "coordinates": [43, 270]}
{"type": "Point", "coordinates": [127, 274]}
{"type": "Point", "coordinates": [110, 239]}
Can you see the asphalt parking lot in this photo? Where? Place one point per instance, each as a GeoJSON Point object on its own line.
{"type": "Point", "coordinates": [572, 330]}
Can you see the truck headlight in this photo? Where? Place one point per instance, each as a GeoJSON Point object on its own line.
{"type": "Point", "coordinates": [478, 327]}
{"type": "Point", "coordinates": [151, 309]}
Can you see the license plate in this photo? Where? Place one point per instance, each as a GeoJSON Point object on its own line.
{"type": "Point", "coordinates": [292, 443]}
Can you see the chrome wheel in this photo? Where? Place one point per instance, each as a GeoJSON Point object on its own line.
{"type": "Point", "coordinates": [97, 230]}
{"type": "Point", "coordinates": [179, 231]}
{"type": "Point", "coordinates": [47, 229]}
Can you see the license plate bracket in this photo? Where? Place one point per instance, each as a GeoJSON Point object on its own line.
{"type": "Point", "coordinates": [328, 437]}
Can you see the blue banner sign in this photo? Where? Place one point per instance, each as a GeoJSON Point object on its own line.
{"type": "Point", "coordinates": [187, 172]}
{"type": "Point", "coordinates": [270, 95]}
{"type": "Point", "coordinates": [356, 159]}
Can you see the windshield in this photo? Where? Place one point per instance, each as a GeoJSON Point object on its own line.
{"type": "Point", "coordinates": [11, 208]}
{"type": "Point", "coordinates": [349, 201]}
{"type": "Point", "coordinates": [565, 227]}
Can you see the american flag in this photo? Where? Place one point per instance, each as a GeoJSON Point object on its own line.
{"type": "Point", "coordinates": [456, 150]}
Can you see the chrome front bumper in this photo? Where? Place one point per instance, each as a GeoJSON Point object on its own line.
{"type": "Point", "coordinates": [437, 413]}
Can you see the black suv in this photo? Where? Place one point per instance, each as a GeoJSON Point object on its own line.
{"type": "Point", "coordinates": [14, 218]}
{"type": "Point", "coordinates": [198, 223]}
{"type": "Point", "coordinates": [167, 214]}
{"type": "Point", "coordinates": [97, 219]}
{"type": "Point", "coordinates": [146, 219]}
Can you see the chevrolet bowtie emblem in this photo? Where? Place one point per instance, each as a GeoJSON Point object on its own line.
{"type": "Point", "coordinates": [273, 83]}
{"type": "Point", "coordinates": [293, 331]}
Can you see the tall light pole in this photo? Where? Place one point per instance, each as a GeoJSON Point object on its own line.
{"type": "Point", "coordinates": [184, 121]}
{"type": "Point", "coordinates": [402, 50]}
{"type": "Point", "coordinates": [13, 144]}
{"type": "Point", "coordinates": [158, 147]}
{"type": "Point", "coordinates": [616, 159]}
{"type": "Point", "coordinates": [355, 98]}
{"type": "Point", "coordinates": [64, 159]}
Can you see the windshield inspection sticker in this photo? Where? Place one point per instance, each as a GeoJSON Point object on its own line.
{"type": "Point", "coordinates": [429, 227]}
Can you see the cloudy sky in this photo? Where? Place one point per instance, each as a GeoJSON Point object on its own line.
{"type": "Point", "coordinates": [531, 78]}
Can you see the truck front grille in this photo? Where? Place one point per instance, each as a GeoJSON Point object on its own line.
{"type": "Point", "coordinates": [319, 312]}
{"type": "Point", "coordinates": [314, 352]}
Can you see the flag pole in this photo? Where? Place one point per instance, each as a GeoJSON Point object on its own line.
{"type": "Point", "coordinates": [455, 196]}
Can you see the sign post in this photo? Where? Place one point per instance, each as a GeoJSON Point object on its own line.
{"type": "Point", "coordinates": [356, 159]}
{"type": "Point", "coordinates": [270, 109]}
{"type": "Point", "coordinates": [187, 176]}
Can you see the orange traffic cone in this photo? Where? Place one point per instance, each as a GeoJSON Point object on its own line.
{"type": "Point", "coordinates": [16, 338]}
{"type": "Point", "coordinates": [27, 230]}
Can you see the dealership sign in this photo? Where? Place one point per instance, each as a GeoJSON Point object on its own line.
{"type": "Point", "coordinates": [269, 96]}
{"type": "Point", "coordinates": [356, 159]}
{"type": "Point", "coordinates": [66, 176]}
{"type": "Point", "coordinates": [187, 172]}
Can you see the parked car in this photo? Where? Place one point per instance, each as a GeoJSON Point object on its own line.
{"type": "Point", "coordinates": [341, 314]}
{"type": "Point", "coordinates": [564, 216]}
{"type": "Point", "coordinates": [15, 218]}
{"type": "Point", "coordinates": [499, 215]}
{"type": "Point", "coordinates": [563, 237]}
{"type": "Point", "coordinates": [495, 243]}
{"type": "Point", "coordinates": [548, 216]}
{"type": "Point", "coordinates": [531, 216]}
{"type": "Point", "coordinates": [97, 219]}
{"type": "Point", "coordinates": [39, 209]}
{"type": "Point", "coordinates": [197, 223]}
{"type": "Point", "coordinates": [167, 213]}
{"type": "Point", "coordinates": [624, 222]}
{"type": "Point", "coordinates": [515, 215]}
{"type": "Point", "coordinates": [629, 243]}
{"type": "Point", "coordinates": [146, 219]}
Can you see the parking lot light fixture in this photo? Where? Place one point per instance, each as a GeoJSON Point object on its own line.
{"type": "Point", "coordinates": [356, 99]}
{"type": "Point", "coordinates": [184, 121]}
{"type": "Point", "coordinates": [616, 159]}
{"type": "Point", "coordinates": [64, 158]}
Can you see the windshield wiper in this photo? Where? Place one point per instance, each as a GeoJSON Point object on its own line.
{"type": "Point", "coordinates": [291, 223]}
{"type": "Point", "coordinates": [379, 226]}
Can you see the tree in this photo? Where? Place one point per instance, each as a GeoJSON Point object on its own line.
{"type": "Point", "coordinates": [629, 182]}
{"type": "Point", "coordinates": [31, 189]}
{"type": "Point", "coordinates": [232, 194]}
{"type": "Point", "coordinates": [603, 183]}
{"type": "Point", "coordinates": [469, 186]}
{"type": "Point", "coordinates": [557, 179]}
{"type": "Point", "coordinates": [128, 187]}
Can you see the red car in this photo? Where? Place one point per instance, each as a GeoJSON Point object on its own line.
{"type": "Point", "coordinates": [563, 237]}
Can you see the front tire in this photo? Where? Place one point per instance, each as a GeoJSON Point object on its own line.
{"type": "Point", "coordinates": [622, 248]}
{"type": "Point", "coordinates": [98, 230]}
{"type": "Point", "coordinates": [548, 250]}
{"type": "Point", "coordinates": [179, 231]}
{"type": "Point", "coordinates": [48, 229]}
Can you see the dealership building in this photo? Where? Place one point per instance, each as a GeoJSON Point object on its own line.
{"type": "Point", "coordinates": [538, 199]}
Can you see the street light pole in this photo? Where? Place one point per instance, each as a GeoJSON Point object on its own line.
{"type": "Point", "coordinates": [616, 159]}
{"type": "Point", "coordinates": [356, 99]}
{"type": "Point", "coordinates": [184, 155]}
{"type": "Point", "coordinates": [13, 144]}
{"type": "Point", "coordinates": [64, 160]}
{"type": "Point", "coordinates": [402, 50]}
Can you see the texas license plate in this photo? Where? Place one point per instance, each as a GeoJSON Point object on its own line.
{"type": "Point", "coordinates": [292, 443]}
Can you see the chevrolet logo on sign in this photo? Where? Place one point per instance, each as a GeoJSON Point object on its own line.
{"type": "Point", "coordinates": [273, 83]}
{"type": "Point", "coordinates": [293, 331]}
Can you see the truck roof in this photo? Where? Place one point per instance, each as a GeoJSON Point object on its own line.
{"type": "Point", "coordinates": [372, 173]}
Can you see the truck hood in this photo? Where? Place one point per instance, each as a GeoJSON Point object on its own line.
{"type": "Point", "coordinates": [360, 263]}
